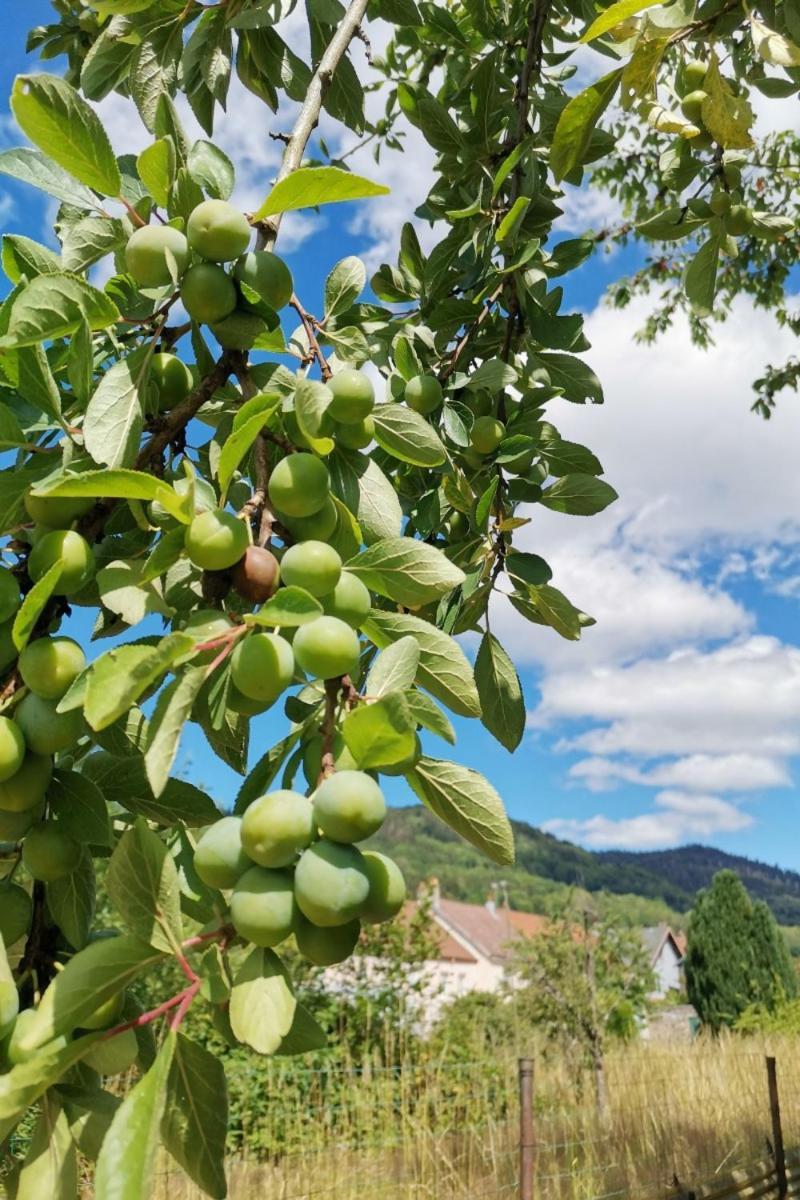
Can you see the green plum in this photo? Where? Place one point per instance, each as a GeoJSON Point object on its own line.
{"type": "Point", "coordinates": [350, 600]}
{"type": "Point", "coordinates": [216, 540]}
{"type": "Point", "coordinates": [45, 730]}
{"type": "Point", "coordinates": [12, 748]}
{"type": "Point", "coordinates": [353, 396]}
{"type": "Point", "coordinates": [694, 74]}
{"type": "Point", "coordinates": [50, 665]}
{"type": "Point", "coordinates": [277, 827]}
{"type": "Point", "coordinates": [171, 379]}
{"type": "Point", "coordinates": [692, 106]}
{"type": "Point", "coordinates": [324, 947]}
{"type": "Point", "coordinates": [739, 220]}
{"type": "Point", "coordinates": [219, 857]}
{"type": "Point", "coordinates": [55, 512]}
{"type": "Point", "coordinates": [387, 888]}
{"type": "Point", "coordinates": [26, 789]}
{"type": "Point", "coordinates": [9, 594]}
{"type": "Point", "coordinates": [208, 293]}
{"type": "Point", "coordinates": [49, 853]}
{"type": "Point", "coordinates": [106, 1014]}
{"type": "Point", "coordinates": [486, 434]}
{"type": "Point", "coordinates": [244, 705]}
{"type": "Point", "coordinates": [267, 275]}
{"type": "Point", "coordinates": [312, 565]}
{"type": "Point", "coordinates": [262, 666]}
{"type": "Point", "coordinates": [16, 909]}
{"type": "Point", "coordinates": [720, 204]}
{"type": "Point", "coordinates": [349, 806]}
{"type": "Point", "coordinates": [74, 554]}
{"type": "Point", "coordinates": [356, 436]}
{"type": "Point", "coordinates": [148, 254]}
{"type": "Point", "coordinates": [299, 485]}
{"type": "Point", "coordinates": [14, 825]}
{"type": "Point", "coordinates": [331, 884]}
{"type": "Point", "coordinates": [318, 527]}
{"type": "Point", "coordinates": [112, 1056]}
{"type": "Point", "coordinates": [326, 648]}
{"type": "Point", "coordinates": [423, 393]}
{"type": "Point", "coordinates": [263, 906]}
{"type": "Point", "coordinates": [218, 231]}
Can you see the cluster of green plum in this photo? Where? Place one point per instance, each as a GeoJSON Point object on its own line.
{"type": "Point", "coordinates": [292, 867]}
{"type": "Point", "coordinates": [238, 305]}
{"type": "Point", "coordinates": [53, 541]}
{"type": "Point", "coordinates": [726, 199]}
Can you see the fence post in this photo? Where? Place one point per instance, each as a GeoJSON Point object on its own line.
{"type": "Point", "coordinates": [777, 1128]}
{"type": "Point", "coordinates": [526, 1143]}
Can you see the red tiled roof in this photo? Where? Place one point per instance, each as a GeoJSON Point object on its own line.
{"type": "Point", "coordinates": [450, 950]}
{"type": "Point", "coordinates": [490, 931]}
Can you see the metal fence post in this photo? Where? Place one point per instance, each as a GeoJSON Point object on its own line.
{"type": "Point", "coordinates": [777, 1128]}
{"type": "Point", "coordinates": [526, 1142]}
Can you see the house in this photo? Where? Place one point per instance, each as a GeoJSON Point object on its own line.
{"type": "Point", "coordinates": [666, 951]}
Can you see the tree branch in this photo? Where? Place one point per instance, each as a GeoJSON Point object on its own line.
{"type": "Point", "coordinates": [308, 325]}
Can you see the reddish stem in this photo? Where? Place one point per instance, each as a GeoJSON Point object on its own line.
{"type": "Point", "coordinates": [184, 1005]}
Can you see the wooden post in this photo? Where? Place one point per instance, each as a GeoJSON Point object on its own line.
{"type": "Point", "coordinates": [526, 1143]}
{"type": "Point", "coordinates": [777, 1128]}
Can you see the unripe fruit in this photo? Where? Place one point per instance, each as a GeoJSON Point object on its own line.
{"type": "Point", "coordinates": [739, 220]}
{"type": "Point", "coordinates": [9, 594]}
{"type": "Point", "coordinates": [26, 789]}
{"type": "Point", "coordinates": [216, 540]}
{"type": "Point", "coordinates": [146, 254]}
{"type": "Point", "coordinates": [12, 748]}
{"type": "Point", "coordinates": [326, 648]}
{"type": "Point", "coordinates": [481, 404]}
{"type": "Point", "coordinates": [18, 1049]}
{"type": "Point", "coordinates": [114, 1055]}
{"type": "Point", "coordinates": [218, 231]}
{"type": "Point", "coordinates": [243, 705]}
{"type": "Point", "coordinates": [312, 565]}
{"type": "Point", "coordinates": [263, 906]}
{"type": "Point", "coordinates": [355, 436]}
{"type": "Point", "coordinates": [14, 825]}
{"type": "Point", "coordinates": [702, 141]}
{"type": "Point", "coordinates": [45, 730]}
{"type": "Point", "coordinates": [49, 854]}
{"type": "Point", "coordinates": [15, 913]}
{"type": "Point", "coordinates": [324, 947]}
{"type": "Point", "coordinates": [720, 204]}
{"type": "Point", "coordinates": [262, 666]}
{"type": "Point", "coordinates": [208, 294]}
{"type": "Point", "coordinates": [299, 485]}
{"type": "Point", "coordinates": [172, 380]}
{"type": "Point", "coordinates": [486, 434]}
{"type": "Point", "coordinates": [219, 857]}
{"type": "Point", "coordinates": [72, 551]}
{"type": "Point", "coordinates": [318, 527]}
{"type": "Point", "coordinates": [694, 74]}
{"type": "Point", "coordinates": [732, 174]}
{"type": "Point", "coordinates": [50, 665]}
{"type": "Point", "coordinates": [350, 600]}
{"type": "Point", "coordinates": [267, 275]}
{"type": "Point", "coordinates": [349, 806]}
{"type": "Point", "coordinates": [106, 1014]}
{"type": "Point", "coordinates": [312, 758]}
{"type": "Point", "coordinates": [277, 827]}
{"type": "Point", "coordinates": [423, 393]}
{"type": "Point", "coordinates": [239, 330]}
{"type": "Point", "coordinates": [457, 526]}
{"type": "Point", "coordinates": [353, 396]}
{"type": "Point", "coordinates": [257, 574]}
{"type": "Point", "coordinates": [387, 888]}
{"type": "Point", "coordinates": [330, 883]}
{"type": "Point", "coordinates": [698, 207]}
{"type": "Point", "coordinates": [692, 106]}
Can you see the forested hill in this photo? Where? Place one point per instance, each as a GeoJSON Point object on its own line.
{"type": "Point", "coordinates": [657, 885]}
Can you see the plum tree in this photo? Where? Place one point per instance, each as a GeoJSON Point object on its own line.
{"type": "Point", "coordinates": [113, 1055]}
{"type": "Point", "coordinates": [216, 540]}
{"type": "Point", "coordinates": [299, 485]}
{"type": "Point", "coordinates": [73, 554]}
{"type": "Point", "coordinates": [326, 648]}
{"type": "Point", "coordinates": [350, 600]}
{"type": "Point", "coordinates": [353, 396]}
{"type": "Point", "coordinates": [16, 910]}
{"type": "Point", "coordinates": [317, 527]}
{"type": "Point", "coordinates": [171, 379]}
{"type": "Point", "coordinates": [387, 888]}
{"type": "Point", "coordinates": [349, 806]}
{"type": "Point", "coordinates": [423, 393]}
{"type": "Point", "coordinates": [331, 884]}
{"type": "Point", "coordinates": [256, 575]}
{"type": "Point", "coordinates": [45, 730]}
{"type": "Point", "coordinates": [208, 293]}
{"type": "Point", "coordinates": [9, 594]}
{"type": "Point", "coordinates": [486, 434]}
{"type": "Point", "coordinates": [12, 748]}
{"type": "Point", "coordinates": [312, 565]}
{"type": "Point", "coordinates": [267, 275]}
{"type": "Point", "coordinates": [26, 788]}
{"type": "Point", "coordinates": [324, 947]}
{"type": "Point", "coordinates": [262, 666]}
{"type": "Point", "coordinates": [49, 853]}
{"type": "Point", "coordinates": [50, 665]}
{"type": "Point", "coordinates": [219, 857]}
{"type": "Point", "coordinates": [218, 231]}
{"type": "Point", "coordinates": [263, 906]}
{"type": "Point", "coordinates": [277, 827]}
{"type": "Point", "coordinates": [154, 252]}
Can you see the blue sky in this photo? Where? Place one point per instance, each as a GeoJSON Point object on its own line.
{"type": "Point", "coordinates": [677, 718]}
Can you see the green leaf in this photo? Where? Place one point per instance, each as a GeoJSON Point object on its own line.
{"type": "Point", "coordinates": [406, 570]}
{"type": "Point", "coordinates": [243, 437]}
{"type": "Point", "coordinates": [344, 285]}
{"type": "Point", "coordinates": [365, 491]}
{"type": "Point", "coordinates": [438, 126]}
{"type": "Point", "coordinates": [115, 415]}
{"type": "Point", "coordinates": [123, 781]}
{"type": "Point", "coordinates": [311, 403]}
{"type": "Point", "coordinates": [289, 606]}
{"type": "Point", "coordinates": [773, 47]}
{"type": "Point", "coordinates": [79, 807]}
{"type": "Point", "coordinates": [550, 607]}
{"type": "Point", "coordinates": [119, 484]}
{"type": "Point", "coordinates": [426, 712]}
{"type": "Point", "coordinates": [727, 117]}
{"type": "Point", "coordinates": [195, 1121]}
{"type": "Point", "coordinates": [573, 376]}
{"type": "Point", "coordinates": [50, 1167]}
{"type": "Point", "coordinates": [119, 677]}
{"type": "Point", "coordinates": [311, 186]}
{"type": "Point", "coordinates": [467, 803]}
{"type": "Point", "coordinates": [394, 669]}
{"type": "Point", "coordinates": [23, 256]}
{"type": "Point", "coordinates": [212, 169]}
{"type": "Point", "coordinates": [166, 725]}
{"type": "Point", "coordinates": [60, 122]}
{"type": "Point", "coordinates": [700, 276]}
{"type": "Point", "coordinates": [53, 306]}
{"type": "Point", "coordinates": [305, 1034]}
{"type": "Point", "coordinates": [580, 495]}
{"type": "Point", "coordinates": [127, 1159]}
{"type": "Point", "coordinates": [89, 1112]}
{"type": "Point", "coordinates": [262, 1003]}
{"type": "Point", "coordinates": [71, 901]}
{"type": "Point", "coordinates": [263, 773]}
{"type": "Point", "coordinates": [564, 458]}
{"type": "Point", "coordinates": [30, 166]}
{"type": "Point", "coordinates": [156, 166]}
{"type": "Point", "coordinates": [577, 123]}
{"type": "Point", "coordinates": [670, 224]}
{"type": "Point", "coordinates": [25, 1083]}
{"type": "Point", "coordinates": [444, 669]}
{"type": "Point", "coordinates": [500, 691]}
{"type": "Point", "coordinates": [406, 435]}
{"type": "Point", "coordinates": [530, 568]}
{"type": "Point", "coordinates": [381, 733]}
{"type": "Point", "coordinates": [80, 365]}
{"type": "Point", "coordinates": [614, 15]}
{"type": "Point", "coordinates": [86, 241]}
{"type": "Point", "coordinates": [494, 374]}
{"type": "Point", "coordinates": [33, 606]}
{"type": "Point", "coordinates": [36, 383]}
{"type": "Point", "coordinates": [122, 592]}
{"type": "Point", "coordinates": [142, 884]}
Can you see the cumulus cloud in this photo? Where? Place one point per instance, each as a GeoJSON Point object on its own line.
{"type": "Point", "coordinates": [678, 817]}
{"type": "Point", "coordinates": [694, 772]}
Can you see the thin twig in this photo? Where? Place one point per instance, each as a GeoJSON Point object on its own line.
{"type": "Point", "coordinates": [326, 763]}
{"type": "Point", "coordinates": [309, 327]}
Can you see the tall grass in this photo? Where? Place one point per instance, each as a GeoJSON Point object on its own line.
{"type": "Point", "coordinates": [448, 1131]}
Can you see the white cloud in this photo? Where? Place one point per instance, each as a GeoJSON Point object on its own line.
{"type": "Point", "coordinates": [679, 817]}
{"type": "Point", "coordinates": [695, 772]}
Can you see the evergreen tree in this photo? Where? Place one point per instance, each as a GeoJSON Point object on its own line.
{"type": "Point", "coordinates": [736, 955]}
